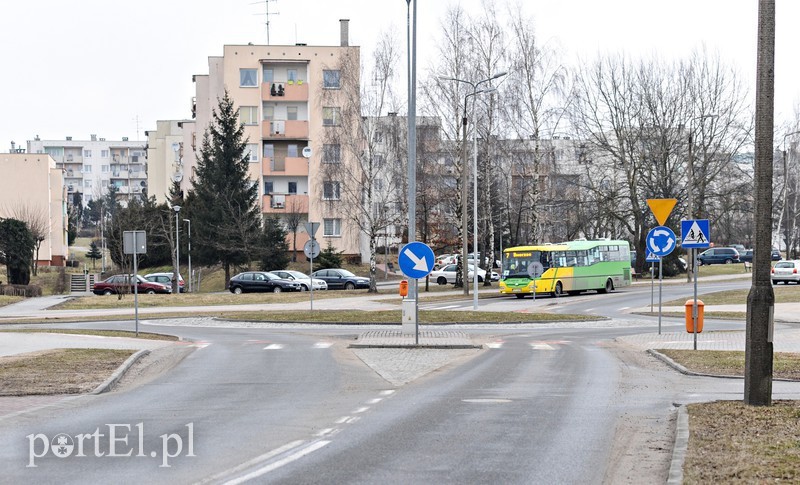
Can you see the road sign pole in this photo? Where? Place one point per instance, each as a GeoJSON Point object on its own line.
{"type": "Point", "coordinates": [694, 306]}
{"type": "Point", "coordinates": [652, 286]}
{"type": "Point", "coordinates": [660, 284]}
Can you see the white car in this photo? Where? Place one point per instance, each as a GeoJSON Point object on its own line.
{"type": "Point", "coordinates": [786, 271]}
{"type": "Point", "coordinates": [447, 274]}
{"type": "Point", "coordinates": [302, 278]}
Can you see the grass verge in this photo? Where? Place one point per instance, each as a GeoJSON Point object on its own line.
{"type": "Point", "coordinates": [99, 333]}
{"type": "Point", "coordinates": [730, 442]}
{"type": "Point", "coordinates": [785, 365]}
{"type": "Point", "coordinates": [58, 371]}
{"type": "Point", "coordinates": [7, 300]}
{"type": "Point", "coordinates": [783, 294]}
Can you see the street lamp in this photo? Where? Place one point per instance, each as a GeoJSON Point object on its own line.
{"type": "Point", "coordinates": [175, 285]}
{"type": "Point", "coordinates": [189, 222]}
{"type": "Point", "coordinates": [690, 270]}
{"type": "Point", "coordinates": [464, 192]}
{"type": "Point", "coordinates": [786, 190]}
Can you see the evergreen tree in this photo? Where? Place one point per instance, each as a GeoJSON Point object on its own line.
{"type": "Point", "coordinates": [16, 246]}
{"type": "Point", "coordinates": [94, 253]}
{"type": "Point", "coordinates": [223, 198]}
{"type": "Point", "coordinates": [328, 258]}
{"type": "Point", "coordinates": [274, 248]}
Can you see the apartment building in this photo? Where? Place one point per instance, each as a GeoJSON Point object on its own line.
{"type": "Point", "coordinates": [92, 166]}
{"type": "Point", "coordinates": [287, 97]}
{"type": "Point", "coordinates": [32, 190]}
{"type": "Point", "coordinates": [165, 158]}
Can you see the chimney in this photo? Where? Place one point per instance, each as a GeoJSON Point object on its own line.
{"type": "Point", "coordinates": [93, 137]}
{"type": "Point", "coordinates": [344, 27]}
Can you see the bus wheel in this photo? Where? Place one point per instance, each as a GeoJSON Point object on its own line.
{"type": "Point", "coordinates": [609, 287]}
{"type": "Point", "coordinates": [559, 290]}
{"type": "Point", "coordinates": [520, 296]}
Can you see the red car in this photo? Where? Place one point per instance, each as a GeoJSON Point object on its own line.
{"type": "Point", "coordinates": [122, 283]}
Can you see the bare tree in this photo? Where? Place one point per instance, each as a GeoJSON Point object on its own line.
{"type": "Point", "coordinates": [38, 222]}
{"type": "Point", "coordinates": [295, 213]}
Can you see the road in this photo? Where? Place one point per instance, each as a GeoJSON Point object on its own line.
{"type": "Point", "coordinates": [555, 403]}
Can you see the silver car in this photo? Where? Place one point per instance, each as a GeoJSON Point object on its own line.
{"type": "Point", "coordinates": [302, 278]}
{"type": "Point", "coordinates": [786, 271]}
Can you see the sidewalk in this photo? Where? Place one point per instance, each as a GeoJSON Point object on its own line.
{"type": "Point", "coordinates": [428, 339]}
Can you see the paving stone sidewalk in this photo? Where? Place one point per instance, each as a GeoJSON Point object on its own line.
{"type": "Point", "coordinates": [428, 339]}
{"type": "Point", "coordinates": [785, 340]}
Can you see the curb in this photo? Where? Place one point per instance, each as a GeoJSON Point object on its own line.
{"type": "Point", "coordinates": [679, 449]}
{"type": "Point", "coordinates": [117, 375]}
{"type": "Point", "coordinates": [683, 370]}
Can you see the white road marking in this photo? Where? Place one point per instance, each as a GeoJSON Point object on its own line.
{"type": "Point", "coordinates": [273, 466]}
{"type": "Point", "coordinates": [624, 308]}
{"type": "Point", "coordinates": [541, 346]}
{"type": "Point", "coordinates": [375, 401]}
{"type": "Point", "coordinates": [273, 347]}
{"type": "Point", "coordinates": [353, 420]}
{"type": "Point", "coordinates": [342, 420]}
{"type": "Point", "coordinates": [387, 392]}
{"type": "Point", "coordinates": [360, 410]}
{"type": "Point", "coordinates": [326, 431]}
{"type": "Point", "coordinates": [495, 345]}
{"type": "Point", "coordinates": [254, 461]}
{"type": "Point", "coordinates": [322, 345]}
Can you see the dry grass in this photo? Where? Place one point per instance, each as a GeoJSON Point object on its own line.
{"type": "Point", "coordinates": [58, 371]}
{"type": "Point", "coordinates": [785, 365]}
{"type": "Point", "coordinates": [783, 294]}
{"type": "Point", "coordinates": [730, 442]}
{"type": "Point", "coordinates": [100, 333]}
{"type": "Point", "coordinates": [7, 300]}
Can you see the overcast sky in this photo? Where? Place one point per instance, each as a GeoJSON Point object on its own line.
{"type": "Point", "coordinates": [112, 68]}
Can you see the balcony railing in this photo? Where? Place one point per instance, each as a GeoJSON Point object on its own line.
{"type": "Point", "coordinates": [285, 166]}
{"type": "Point", "coordinates": [285, 129]}
{"type": "Point", "coordinates": [282, 203]}
{"type": "Point", "coordinates": [283, 91]}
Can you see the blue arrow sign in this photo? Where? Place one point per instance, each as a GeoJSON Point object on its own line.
{"type": "Point", "coordinates": [695, 233]}
{"type": "Point", "coordinates": [416, 260]}
{"type": "Point", "coordinates": [661, 241]}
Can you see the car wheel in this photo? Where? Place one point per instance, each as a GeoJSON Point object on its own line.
{"type": "Point", "coordinates": [774, 282]}
{"type": "Point", "coordinates": [480, 279]}
{"type": "Point", "coordinates": [108, 292]}
{"type": "Point", "coordinates": [349, 286]}
{"type": "Point", "coordinates": [237, 290]}
{"type": "Point", "coordinates": [151, 292]}
{"type": "Point", "coordinates": [441, 280]}
{"type": "Point", "coordinates": [559, 290]}
{"type": "Point", "coordinates": [303, 288]}
{"type": "Point", "coordinates": [277, 289]}
{"type": "Point", "coordinates": [520, 296]}
{"type": "Point", "coordinates": [699, 262]}
{"type": "Point", "coordinates": [728, 261]}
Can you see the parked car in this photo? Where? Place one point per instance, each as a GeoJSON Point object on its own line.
{"type": "Point", "coordinates": [447, 274]}
{"type": "Point", "coordinates": [338, 278]}
{"type": "Point", "coordinates": [305, 281]}
{"type": "Point", "coordinates": [260, 281]}
{"type": "Point", "coordinates": [166, 279]}
{"type": "Point", "coordinates": [776, 254]}
{"type": "Point", "coordinates": [786, 271]}
{"type": "Point", "coordinates": [445, 259]}
{"type": "Point", "coordinates": [718, 256]}
{"type": "Point", "coordinates": [746, 256]}
{"type": "Point", "coordinates": [739, 247]}
{"type": "Point", "coordinates": [124, 283]}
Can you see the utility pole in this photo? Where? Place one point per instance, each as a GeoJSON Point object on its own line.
{"type": "Point", "coordinates": [761, 299]}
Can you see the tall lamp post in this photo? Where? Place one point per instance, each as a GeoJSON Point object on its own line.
{"type": "Point", "coordinates": [692, 263]}
{"type": "Point", "coordinates": [464, 192]}
{"type": "Point", "coordinates": [189, 222]}
{"type": "Point", "coordinates": [175, 285]}
{"type": "Point", "coordinates": [786, 190]}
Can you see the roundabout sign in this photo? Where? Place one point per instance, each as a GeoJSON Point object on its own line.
{"type": "Point", "coordinates": [661, 241]}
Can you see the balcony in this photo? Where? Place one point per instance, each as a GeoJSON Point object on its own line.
{"type": "Point", "coordinates": [283, 91]}
{"type": "Point", "coordinates": [284, 129]}
{"type": "Point", "coordinates": [285, 203]}
{"type": "Point", "coordinates": [119, 174]}
{"type": "Point", "coordinates": [297, 166]}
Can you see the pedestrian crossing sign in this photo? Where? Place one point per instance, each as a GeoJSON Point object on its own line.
{"type": "Point", "coordinates": [695, 233]}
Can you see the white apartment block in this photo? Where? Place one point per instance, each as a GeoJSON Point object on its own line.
{"type": "Point", "coordinates": [92, 166]}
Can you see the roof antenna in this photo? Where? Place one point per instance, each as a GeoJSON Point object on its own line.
{"type": "Point", "coordinates": [267, 13]}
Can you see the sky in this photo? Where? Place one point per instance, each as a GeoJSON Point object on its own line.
{"type": "Point", "coordinates": [113, 68]}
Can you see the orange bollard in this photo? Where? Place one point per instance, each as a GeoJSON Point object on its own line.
{"type": "Point", "coordinates": [689, 324]}
{"type": "Point", "coordinates": [404, 288]}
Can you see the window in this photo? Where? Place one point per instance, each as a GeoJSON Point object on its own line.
{"type": "Point", "coordinates": [378, 160]}
{"type": "Point", "coordinates": [104, 168]}
{"type": "Point", "coordinates": [269, 112]}
{"type": "Point", "coordinates": [291, 151]}
{"type": "Point", "coordinates": [248, 78]}
{"type": "Point", "coordinates": [330, 191]}
{"type": "Point", "coordinates": [332, 227]}
{"type": "Point", "coordinates": [291, 75]}
{"type": "Point", "coordinates": [248, 115]}
{"type": "Point", "coordinates": [269, 150]}
{"type": "Point", "coordinates": [87, 153]}
{"type": "Point", "coordinates": [378, 137]}
{"type": "Point", "coordinates": [54, 152]}
{"type": "Point", "coordinates": [331, 153]}
{"type": "Point", "coordinates": [292, 187]}
{"type": "Point", "coordinates": [87, 169]}
{"type": "Point", "coordinates": [104, 153]}
{"type": "Point", "coordinates": [331, 79]}
{"type": "Point", "coordinates": [87, 183]}
{"type": "Point", "coordinates": [267, 187]}
{"type": "Point", "coordinates": [252, 152]}
{"type": "Point", "coordinates": [330, 116]}
{"type": "Point", "coordinates": [268, 75]}
{"type": "Point", "coordinates": [291, 112]}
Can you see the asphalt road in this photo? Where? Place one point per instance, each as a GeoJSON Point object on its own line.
{"type": "Point", "coordinates": [556, 403]}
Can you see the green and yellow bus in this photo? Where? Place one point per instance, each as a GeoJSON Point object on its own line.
{"type": "Point", "coordinates": [570, 267]}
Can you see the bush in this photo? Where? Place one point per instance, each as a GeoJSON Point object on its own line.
{"type": "Point", "coordinates": [27, 291]}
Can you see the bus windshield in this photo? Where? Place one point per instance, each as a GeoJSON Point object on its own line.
{"type": "Point", "coordinates": [517, 263]}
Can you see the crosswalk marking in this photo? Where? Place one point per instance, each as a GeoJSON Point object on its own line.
{"type": "Point", "coordinates": [541, 346]}
{"type": "Point", "coordinates": [273, 347]}
{"type": "Point", "coordinates": [322, 345]}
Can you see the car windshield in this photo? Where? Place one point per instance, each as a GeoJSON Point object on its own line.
{"type": "Point", "coordinates": [271, 276]}
{"type": "Point", "coordinates": [298, 275]}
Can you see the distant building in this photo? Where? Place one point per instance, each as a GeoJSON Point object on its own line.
{"type": "Point", "coordinates": [165, 158]}
{"type": "Point", "coordinates": [92, 166]}
{"type": "Point", "coordinates": [32, 190]}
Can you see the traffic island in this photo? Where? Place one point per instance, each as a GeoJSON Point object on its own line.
{"type": "Point", "coordinates": [428, 339]}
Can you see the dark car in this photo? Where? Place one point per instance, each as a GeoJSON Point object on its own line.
{"type": "Point", "coordinates": [123, 283]}
{"type": "Point", "coordinates": [718, 256]}
{"type": "Point", "coordinates": [746, 256]}
{"type": "Point", "coordinates": [341, 278]}
{"type": "Point", "coordinates": [260, 281]}
{"type": "Point", "coordinates": [776, 254]}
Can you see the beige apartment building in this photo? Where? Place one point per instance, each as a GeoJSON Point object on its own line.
{"type": "Point", "coordinates": [32, 190]}
{"type": "Point", "coordinates": [287, 96]}
{"type": "Point", "coordinates": [92, 166]}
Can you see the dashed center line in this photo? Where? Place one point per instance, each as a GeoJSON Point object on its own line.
{"type": "Point", "coordinates": [322, 345]}
{"type": "Point", "coordinates": [273, 347]}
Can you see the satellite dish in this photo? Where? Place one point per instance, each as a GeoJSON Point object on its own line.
{"type": "Point", "coordinates": [307, 152]}
{"type": "Point", "coordinates": [177, 177]}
